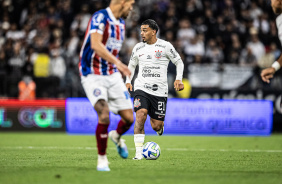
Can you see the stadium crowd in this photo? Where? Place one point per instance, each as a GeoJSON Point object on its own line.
{"type": "Point", "coordinates": [40, 39]}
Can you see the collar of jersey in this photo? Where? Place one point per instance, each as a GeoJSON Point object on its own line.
{"type": "Point", "coordinates": [112, 15]}
{"type": "Point", "coordinates": [153, 44]}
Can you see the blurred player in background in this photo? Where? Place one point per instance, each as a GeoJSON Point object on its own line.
{"type": "Point", "coordinates": [100, 75]}
{"type": "Point", "coordinates": [268, 73]}
{"type": "Point", "coordinates": [150, 87]}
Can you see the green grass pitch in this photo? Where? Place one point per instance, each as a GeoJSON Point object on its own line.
{"type": "Point", "coordinates": [37, 158]}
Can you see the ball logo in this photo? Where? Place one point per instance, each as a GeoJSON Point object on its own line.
{"type": "Point", "coordinates": [97, 92]}
{"type": "Point", "coordinates": [158, 54]}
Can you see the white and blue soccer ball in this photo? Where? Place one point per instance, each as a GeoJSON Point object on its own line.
{"type": "Point", "coordinates": [151, 151]}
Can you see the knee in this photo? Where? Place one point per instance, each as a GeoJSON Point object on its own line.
{"type": "Point", "coordinates": [129, 119]}
{"type": "Point", "coordinates": [157, 126]}
{"type": "Point", "coordinates": [103, 111]}
{"type": "Point", "coordinates": [141, 115]}
{"type": "Point", "coordinates": [104, 118]}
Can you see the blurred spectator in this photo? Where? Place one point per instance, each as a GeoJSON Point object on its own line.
{"type": "Point", "coordinates": [15, 63]}
{"type": "Point", "coordinates": [256, 46]}
{"type": "Point", "coordinates": [3, 73]}
{"type": "Point", "coordinates": [194, 49]}
{"type": "Point", "coordinates": [213, 53]}
{"type": "Point", "coordinates": [57, 68]}
{"type": "Point", "coordinates": [81, 20]}
{"type": "Point", "coordinates": [247, 58]}
{"type": "Point", "coordinates": [185, 32]}
{"type": "Point", "coordinates": [27, 88]}
{"type": "Point", "coordinates": [234, 50]}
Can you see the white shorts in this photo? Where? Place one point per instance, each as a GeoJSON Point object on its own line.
{"type": "Point", "coordinates": [111, 88]}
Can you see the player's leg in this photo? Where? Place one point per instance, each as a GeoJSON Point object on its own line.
{"type": "Point", "coordinates": [141, 107]}
{"type": "Point", "coordinates": [120, 103]}
{"type": "Point", "coordinates": [157, 113]}
{"type": "Point", "coordinates": [123, 125]}
{"type": "Point", "coordinates": [96, 92]}
{"type": "Point", "coordinates": [102, 110]}
{"type": "Point", "coordinates": [157, 125]}
{"type": "Point", "coordinates": [139, 133]}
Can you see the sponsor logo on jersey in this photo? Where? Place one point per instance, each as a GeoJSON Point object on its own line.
{"type": "Point", "coordinates": [97, 92]}
{"type": "Point", "coordinates": [149, 57]}
{"type": "Point", "coordinates": [158, 54]}
{"type": "Point", "coordinates": [113, 43]}
{"type": "Point", "coordinates": [147, 72]}
{"type": "Point", "coordinates": [173, 53]}
{"type": "Point", "coordinates": [132, 55]}
{"type": "Point", "coordinates": [153, 87]}
{"type": "Point", "coordinates": [158, 45]}
{"type": "Point", "coordinates": [138, 48]}
{"type": "Point", "coordinates": [137, 103]}
{"type": "Point", "coordinates": [151, 75]}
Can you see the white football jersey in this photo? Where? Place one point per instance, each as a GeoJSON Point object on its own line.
{"type": "Point", "coordinates": [153, 61]}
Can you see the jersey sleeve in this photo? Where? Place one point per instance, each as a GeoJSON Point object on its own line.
{"type": "Point", "coordinates": [98, 23]}
{"type": "Point", "coordinates": [172, 54]}
{"type": "Point", "coordinates": [175, 58]}
{"type": "Point", "coordinates": [133, 62]}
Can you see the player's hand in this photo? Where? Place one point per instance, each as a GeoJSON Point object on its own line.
{"type": "Point", "coordinates": [178, 85]}
{"type": "Point", "coordinates": [123, 69]}
{"type": "Point", "coordinates": [128, 86]}
{"type": "Point", "coordinates": [267, 74]}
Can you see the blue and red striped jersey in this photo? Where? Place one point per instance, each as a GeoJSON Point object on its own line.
{"type": "Point", "coordinates": [113, 31]}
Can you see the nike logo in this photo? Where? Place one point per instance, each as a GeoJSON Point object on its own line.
{"type": "Point", "coordinates": [141, 55]}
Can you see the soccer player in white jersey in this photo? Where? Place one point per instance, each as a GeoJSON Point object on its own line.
{"type": "Point", "coordinates": [151, 89]}
{"type": "Point", "coordinates": [268, 73]}
{"type": "Point", "coordinates": [100, 75]}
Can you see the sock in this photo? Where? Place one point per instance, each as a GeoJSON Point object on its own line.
{"type": "Point", "coordinates": [102, 138]}
{"type": "Point", "coordinates": [122, 127]}
{"type": "Point", "coordinates": [102, 160]}
{"type": "Point", "coordinates": [139, 141]}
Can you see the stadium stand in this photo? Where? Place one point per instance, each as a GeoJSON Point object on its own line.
{"type": "Point", "coordinates": [42, 39]}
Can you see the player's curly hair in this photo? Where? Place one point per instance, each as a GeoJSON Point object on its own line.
{"type": "Point", "coordinates": [152, 24]}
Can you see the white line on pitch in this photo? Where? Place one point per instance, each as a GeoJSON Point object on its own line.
{"type": "Point", "coordinates": [166, 149]}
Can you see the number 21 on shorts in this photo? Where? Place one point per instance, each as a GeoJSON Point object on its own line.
{"type": "Point", "coordinates": [161, 106]}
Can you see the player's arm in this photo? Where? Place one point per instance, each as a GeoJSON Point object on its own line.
{"type": "Point", "coordinates": [131, 66]}
{"type": "Point", "coordinates": [100, 49]}
{"type": "Point", "coordinates": [268, 73]}
{"type": "Point", "coordinates": [178, 85]}
{"type": "Point", "coordinates": [176, 59]}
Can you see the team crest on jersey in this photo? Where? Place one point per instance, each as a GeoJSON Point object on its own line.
{"type": "Point", "coordinates": [97, 92]}
{"type": "Point", "coordinates": [97, 19]}
{"type": "Point", "coordinates": [137, 103]}
{"type": "Point", "coordinates": [158, 54]}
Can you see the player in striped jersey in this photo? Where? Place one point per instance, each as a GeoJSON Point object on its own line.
{"type": "Point", "coordinates": [100, 70]}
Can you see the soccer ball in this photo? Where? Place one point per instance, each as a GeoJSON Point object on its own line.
{"type": "Point", "coordinates": [151, 151]}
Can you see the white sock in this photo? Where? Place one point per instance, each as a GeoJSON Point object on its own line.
{"type": "Point", "coordinates": [139, 141]}
{"type": "Point", "coordinates": [115, 135]}
{"type": "Point", "coordinates": [102, 160]}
